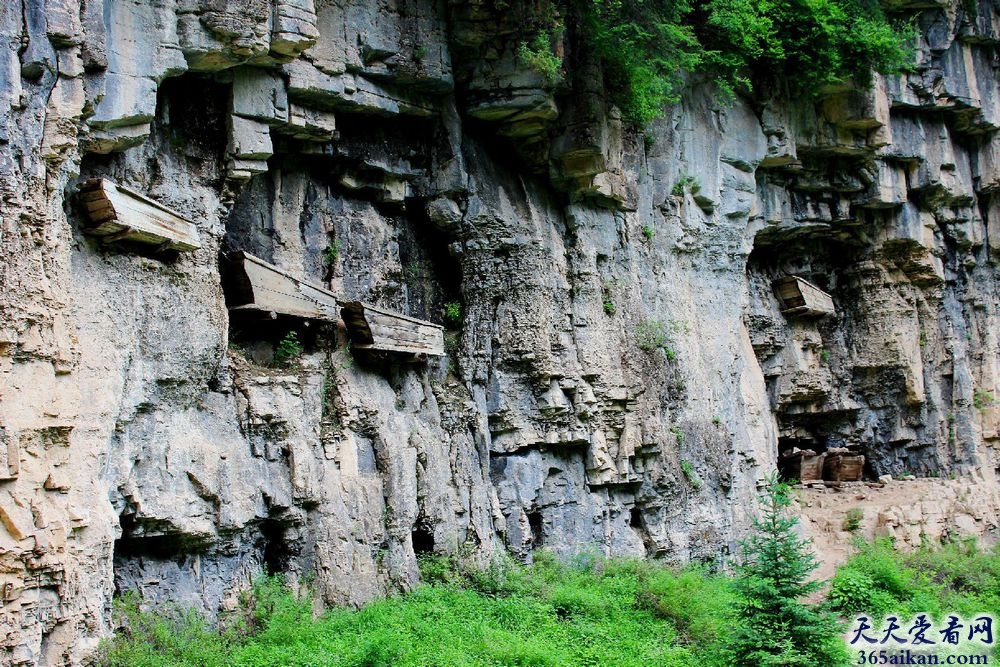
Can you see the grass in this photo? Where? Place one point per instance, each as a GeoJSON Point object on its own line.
{"type": "Point", "coordinates": [588, 611]}
{"type": "Point", "coordinates": [691, 475]}
{"type": "Point", "coordinates": [584, 611]}
{"type": "Point", "coordinates": [957, 577]}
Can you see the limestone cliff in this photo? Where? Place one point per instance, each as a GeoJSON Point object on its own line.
{"type": "Point", "coordinates": [619, 376]}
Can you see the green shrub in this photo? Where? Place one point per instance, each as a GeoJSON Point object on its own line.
{"type": "Point", "coordinates": [852, 519]}
{"type": "Point", "coordinates": [651, 335]}
{"type": "Point", "coordinates": [608, 305]}
{"type": "Point", "coordinates": [684, 183]}
{"type": "Point", "coordinates": [691, 474]}
{"type": "Point", "coordinates": [453, 313]}
{"type": "Point", "coordinates": [649, 48]}
{"type": "Point", "coordinates": [648, 232]}
{"type": "Point", "coordinates": [289, 349]}
{"type": "Point", "coordinates": [331, 253]}
{"type": "Point", "coordinates": [982, 399]}
{"type": "Point", "coordinates": [538, 55]}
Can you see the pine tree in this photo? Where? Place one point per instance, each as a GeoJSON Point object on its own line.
{"type": "Point", "coordinates": [776, 629]}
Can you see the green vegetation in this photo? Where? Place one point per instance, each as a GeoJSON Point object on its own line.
{"type": "Point", "coordinates": [775, 627]}
{"type": "Point", "coordinates": [957, 577]}
{"type": "Point", "coordinates": [539, 55]}
{"type": "Point", "coordinates": [453, 313]}
{"type": "Point", "coordinates": [684, 183]}
{"type": "Point", "coordinates": [650, 49]}
{"type": "Point", "coordinates": [648, 232]}
{"type": "Point", "coordinates": [982, 399]}
{"type": "Point", "coordinates": [289, 349]}
{"type": "Point", "coordinates": [609, 305]}
{"type": "Point", "coordinates": [331, 253]}
{"type": "Point", "coordinates": [824, 357]}
{"type": "Point", "coordinates": [691, 475]}
{"type": "Point", "coordinates": [652, 335]}
{"type": "Point", "coordinates": [852, 519]}
{"type": "Point", "coordinates": [586, 610]}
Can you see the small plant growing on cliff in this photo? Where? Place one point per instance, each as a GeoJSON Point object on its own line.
{"type": "Point", "coordinates": [824, 357]}
{"type": "Point", "coordinates": [331, 253]}
{"type": "Point", "coordinates": [453, 313]}
{"type": "Point", "coordinates": [678, 435]}
{"type": "Point", "coordinates": [691, 475]}
{"type": "Point", "coordinates": [648, 232]}
{"type": "Point", "coordinates": [651, 335]}
{"type": "Point", "coordinates": [538, 55]}
{"type": "Point", "coordinates": [982, 399]}
{"type": "Point", "coordinates": [852, 519]}
{"type": "Point", "coordinates": [686, 182]}
{"type": "Point", "coordinates": [420, 53]}
{"type": "Point", "coordinates": [289, 349]}
{"type": "Point", "coordinates": [774, 627]}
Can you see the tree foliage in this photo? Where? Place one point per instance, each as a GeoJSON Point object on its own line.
{"type": "Point", "coordinates": [648, 49]}
{"type": "Point", "coordinates": [774, 626]}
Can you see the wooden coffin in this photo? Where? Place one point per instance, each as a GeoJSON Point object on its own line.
{"type": "Point", "coordinates": [374, 328]}
{"type": "Point", "coordinates": [250, 283]}
{"type": "Point", "coordinates": [800, 297]}
{"type": "Point", "coordinates": [117, 213]}
{"type": "Point", "coordinates": [805, 466]}
{"type": "Point", "coordinates": [843, 467]}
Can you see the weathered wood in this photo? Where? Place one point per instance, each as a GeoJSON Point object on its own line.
{"type": "Point", "coordinates": [374, 328]}
{"type": "Point", "coordinates": [800, 297]}
{"type": "Point", "coordinates": [114, 209]}
{"type": "Point", "coordinates": [253, 284]}
{"type": "Point", "coordinates": [843, 467]}
{"type": "Point", "coordinates": [805, 466]}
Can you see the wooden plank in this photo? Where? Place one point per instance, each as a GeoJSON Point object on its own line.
{"type": "Point", "coordinates": [798, 296]}
{"type": "Point", "coordinates": [383, 336]}
{"type": "Point", "coordinates": [262, 286]}
{"type": "Point", "coordinates": [389, 331]}
{"type": "Point", "coordinates": [149, 221]}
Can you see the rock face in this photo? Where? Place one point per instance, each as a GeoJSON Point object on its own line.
{"type": "Point", "coordinates": [619, 376]}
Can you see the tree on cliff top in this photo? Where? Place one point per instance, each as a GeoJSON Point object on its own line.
{"type": "Point", "coordinates": [648, 47]}
{"type": "Point", "coordinates": [775, 628]}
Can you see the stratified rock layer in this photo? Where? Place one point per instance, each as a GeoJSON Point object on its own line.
{"type": "Point", "coordinates": [619, 374]}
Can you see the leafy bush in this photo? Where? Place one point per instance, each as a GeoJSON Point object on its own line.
{"type": "Point", "coordinates": [586, 610]}
{"type": "Point", "coordinates": [453, 313]}
{"type": "Point", "coordinates": [852, 519]}
{"type": "Point", "coordinates": [289, 349]}
{"type": "Point", "coordinates": [651, 335]}
{"type": "Point", "coordinates": [539, 55]}
{"type": "Point", "coordinates": [649, 47]}
{"type": "Point", "coordinates": [955, 577]}
{"type": "Point", "coordinates": [331, 253]}
{"type": "Point", "coordinates": [648, 232]}
{"type": "Point", "coordinates": [684, 183]}
{"type": "Point", "coordinates": [691, 474]}
{"type": "Point", "coordinates": [982, 399]}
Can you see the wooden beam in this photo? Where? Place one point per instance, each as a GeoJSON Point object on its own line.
{"type": "Point", "coordinates": [117, 211]}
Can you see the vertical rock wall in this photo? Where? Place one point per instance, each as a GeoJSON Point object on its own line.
{"type": "Point", "coordinates": [620, 376]}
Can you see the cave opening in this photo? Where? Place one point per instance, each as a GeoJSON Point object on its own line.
{"type": "Point", "coordinates": [537, 533]}
{"type": "Point", "coordinates": [423, 540]}
{"type": "Point", "coordinates": [635, 519]}
{"type": "Point", "coordinates": [277, 340]}
{"type": "Point", "coordinates": [276, 552]}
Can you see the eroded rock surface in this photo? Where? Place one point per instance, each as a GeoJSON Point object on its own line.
{"type": "Point", "coordinates": [619, 375]}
